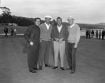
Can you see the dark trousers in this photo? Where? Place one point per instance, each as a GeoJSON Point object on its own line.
{"type": "Point", "coordinates": [87, 36]}
{"type": "Point", "coordinates": [71, 56]}
{"type": "Point", "coordinates": [44, 52]}
{"type": "Point", "coordinates": [99, 36]}
{"type": "Point", "coordinates": [33, 54]}
{"type": "Point", "coordinates": [6, 34]}
{"type": "Point", "coordinates": [102, 37]}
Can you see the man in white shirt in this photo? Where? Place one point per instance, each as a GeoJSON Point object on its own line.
{"type": "Point", "coordinates": [59, 36]}
{"type": "Point", "coordinates": [73, 40]}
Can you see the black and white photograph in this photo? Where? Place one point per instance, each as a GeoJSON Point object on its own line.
{"type": "Point", "coordinates": [52, 41]}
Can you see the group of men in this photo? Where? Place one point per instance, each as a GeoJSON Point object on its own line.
{"type": "Point", "coordinates": [99, 34]}
{"type": "Point", "coordinates": [58, 40]}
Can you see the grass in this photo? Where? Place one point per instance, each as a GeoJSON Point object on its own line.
{"type": "Point", "coordinates": [90, 64]}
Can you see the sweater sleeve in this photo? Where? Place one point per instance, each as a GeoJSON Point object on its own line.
{"type": "Point", "coordinates": [66, 33]}
{"type": "Point", "coordinates": [35, 34]}
{"type": "Point", "coordinates": [77, 34]}
{"type": "Point", "coordinates": [52, 34]}
{"type": "Point", "coordinates": [41, 31]}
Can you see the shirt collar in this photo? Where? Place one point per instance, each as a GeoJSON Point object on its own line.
{"type": "Point", "coordinates": [47, 24]}
{"type": "Point", "coordinates": [71, 26]}
{"type": "Point", "coordinates": [59, 26]}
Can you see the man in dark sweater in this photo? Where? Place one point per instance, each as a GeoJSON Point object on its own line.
{"type": "Point", "coordinates": [32, 36]}
{"type": "Point", "coordinates": [59, 36]}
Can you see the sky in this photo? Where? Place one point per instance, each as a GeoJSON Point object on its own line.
{"type": "Point", "coordinates": [84, 11]}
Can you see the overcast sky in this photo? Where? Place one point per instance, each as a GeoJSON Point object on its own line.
{"type": "Point", "coordinates": [85, 11]}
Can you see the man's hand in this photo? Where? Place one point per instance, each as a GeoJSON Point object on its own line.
{"type": "Point", "coordinates": [75, 46]}
{"type": "Point", "coordinates": [61, 39]}
{"type": "Point", "coordinates": [31, 43]}
{"type": "Point", "coordinates": [56, 39]}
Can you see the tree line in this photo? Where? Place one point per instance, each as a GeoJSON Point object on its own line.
{"type": "Point", "coordinates": [21, 21]}
{"type": "Point", "coordinates": [25, 21]}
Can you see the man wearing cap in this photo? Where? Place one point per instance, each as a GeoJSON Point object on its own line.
{"type": "Point", "coordinates": [73, 40]}
{"type": "Point", "coordinates": [45, 42]}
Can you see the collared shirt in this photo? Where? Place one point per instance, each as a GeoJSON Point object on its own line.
{"type": "Point", "coordinates": [72, 25]}
{"type": "Point", "coordinates": [59, 28]}
{"type": "Point", "coordinates": [47, 25]}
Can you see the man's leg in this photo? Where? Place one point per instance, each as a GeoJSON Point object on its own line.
{"type": "Point", "coordinates": [62, 53]}
{"type": "Point", "coordinates": [69, 55]}
{"type": "Point", "coordinates": [36, 53]}
{"type": "Point", "coordinates": [86, 36]}
{"type": "Point", "coordinates": [56, 51]}
{"type": "Point", "coordinates": [102, 37]}
{"type": "Point", "coordinates": [73, 59]}
{"type": "Point", "coordinates": [31, 60]}
{"type": "Point", "coordinates": [47, 53]}
{"type": "Point", "coordinates": [5, 34]}
{"type": "Point", "coordinates": [42, 53]}
{"type": "Point", "coordinates": [51, 55]}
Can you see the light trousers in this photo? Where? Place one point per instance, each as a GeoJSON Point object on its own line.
{"type": "Point", "coordinates": [59, 49]}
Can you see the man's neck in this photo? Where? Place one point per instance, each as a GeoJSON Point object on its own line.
{"type": "Point", "coordinates": [72, 24]}
{"type": "Point", "coordinates": [59, 25]}
{"type": "Point", "coordinates": [47, 23]}
{"type": "Point", "coordinates": [37, 25]}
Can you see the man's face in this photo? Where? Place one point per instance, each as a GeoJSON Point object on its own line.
{"type": "Point", "coordinates": [37, 22]}
{"type": "Point", "coordinates": [47, 20]}
{"type": "Point", "coordinates": [59, 21]}
{"type": "Point", "coordinates": [70, 21]}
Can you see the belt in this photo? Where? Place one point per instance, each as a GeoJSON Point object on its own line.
{"type": "Point", "coordinates": [45, 40]}
{"type": "Point", "coordinates": [59, 41]}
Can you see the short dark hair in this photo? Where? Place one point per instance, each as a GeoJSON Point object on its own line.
{"type": "Point", "coordinates": [37, 18]}
{"type": "Point", "coordinates": [59, 18]}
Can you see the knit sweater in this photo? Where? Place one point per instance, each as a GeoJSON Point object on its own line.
{"type": "Point", "coordinates": [45, 34]}
{"type": "Point", "coordinates": [74, 34]}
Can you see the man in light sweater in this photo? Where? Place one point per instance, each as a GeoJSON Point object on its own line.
{"type": "Point", "coordinates": [73, 40]}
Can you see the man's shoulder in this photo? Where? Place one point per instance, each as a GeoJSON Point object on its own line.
{"type": "Point", "coordinates": [31, 27]}
{"type": "Point", "coordinates": [76, 26]}
{"type": "Point", "coordinates": [54, 26]}
{"type": "Point", "coordinates": [65, 26]}
{"type": "Point", "coordinates": [43, 24]}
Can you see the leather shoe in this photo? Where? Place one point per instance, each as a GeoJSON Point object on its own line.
{"type": "Point", "coordinates": [72, 72]}
{"type": "Point", "coordinates": [47, 65]}
{"type": "Point", "coordinates": [55, 67]}
{"type": "Point", "coordinates": [62, 68]}
{"type": "Point", "coordinates": [70, 68]}
{"type": "Point", "coordinates": [33, 71]}
{"type": "Point", "coordinates": [35, 68]}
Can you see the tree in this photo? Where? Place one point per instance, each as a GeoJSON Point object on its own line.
{"type": "Point", "coordinates": [6, 15]}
